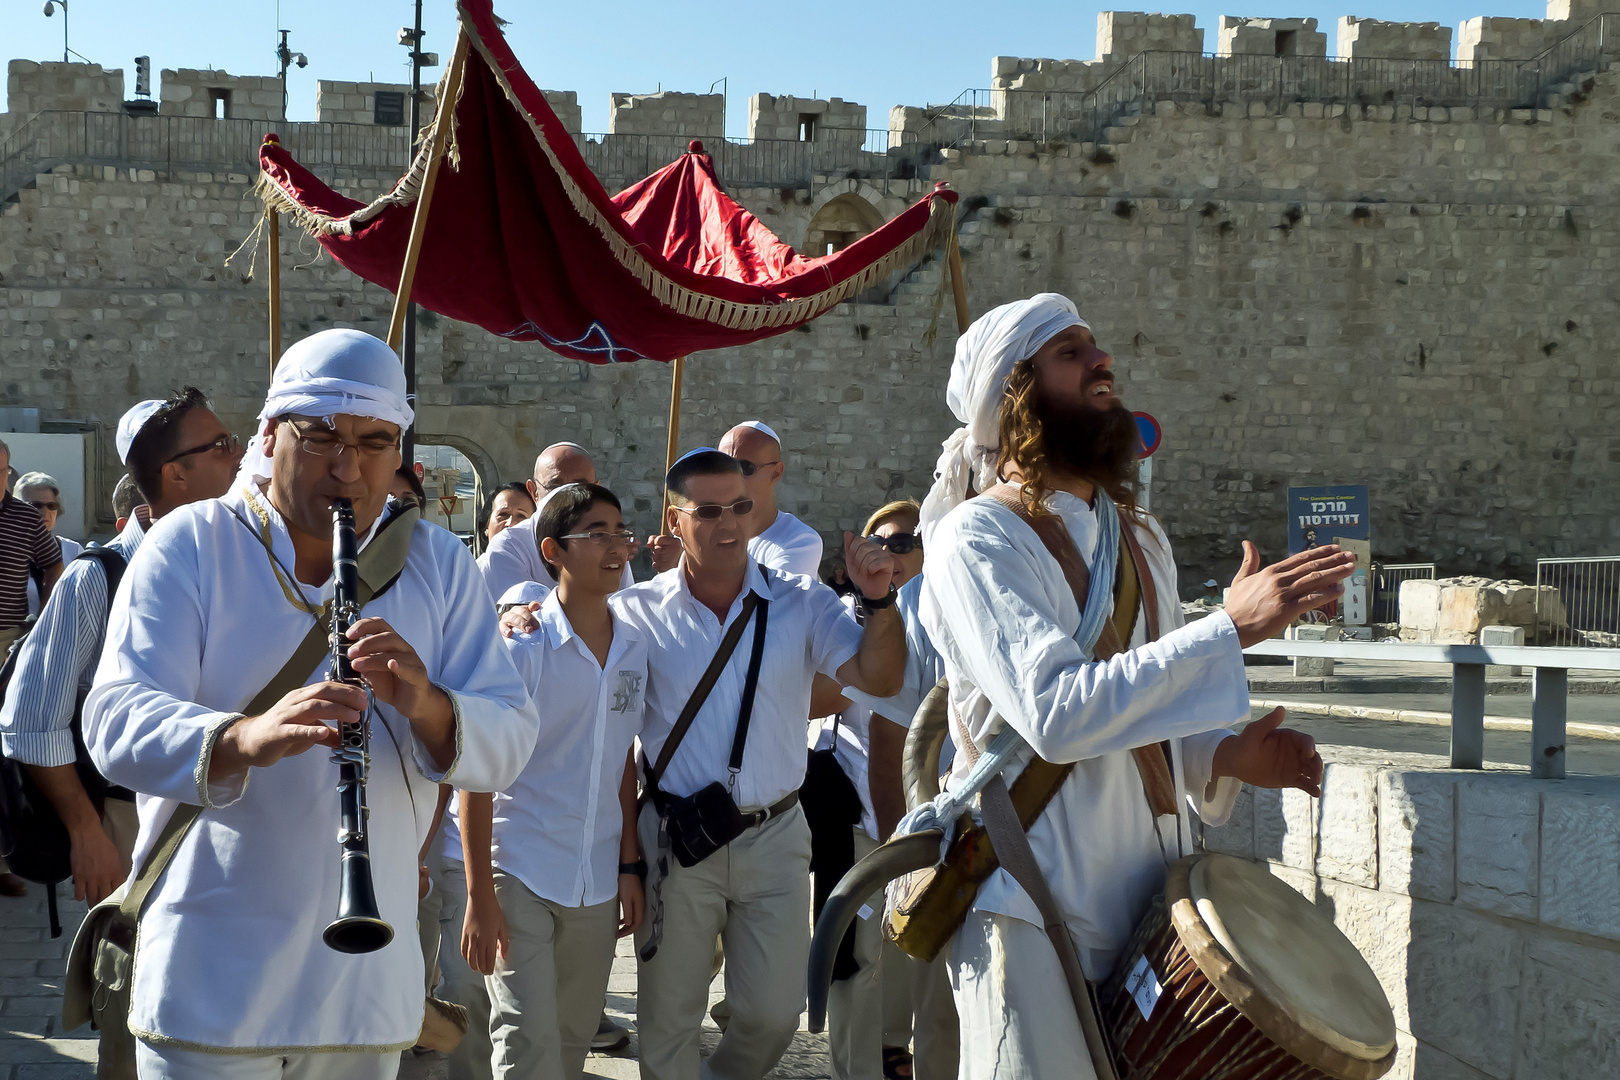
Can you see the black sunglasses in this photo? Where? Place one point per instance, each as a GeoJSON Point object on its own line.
{"type": "Point", "coordinates": [749, 468]}
{"type": "Point", "coordinates": [899, 543]}
{"type": "Point", "coordinates": [225, 444]}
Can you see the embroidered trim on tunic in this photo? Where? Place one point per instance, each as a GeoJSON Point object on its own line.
{"type": "Point", "coordinates": [205, 759]}
{"type": "Point", "coordinates": [267, 1051]}
{"type": "Point", "coordinates": [290, 590]}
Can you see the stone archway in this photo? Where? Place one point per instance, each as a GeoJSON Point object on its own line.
{"type": "Point", "coordinates": [486, 476]}
{"type": "Point", "coordinates": [840, 221]}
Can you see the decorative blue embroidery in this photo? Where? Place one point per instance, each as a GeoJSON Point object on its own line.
{"type": "Point", "coordinates": [595, 340]}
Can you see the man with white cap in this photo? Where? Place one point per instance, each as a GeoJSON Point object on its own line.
{"type": "Point", "coordinates": [514, 553]}
{"type": "Point", "coordinates": [230, 975]}
{"type": "Point", "coordinates": [1046, 436]}
{"type": "Point", "coordinates": [185, 453]}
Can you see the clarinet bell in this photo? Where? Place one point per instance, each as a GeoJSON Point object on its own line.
{"type": "Point", "coordinates": [359, 927]}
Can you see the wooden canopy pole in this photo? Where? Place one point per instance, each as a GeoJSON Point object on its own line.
{"type": "Point", "coordinates": [446, 105]}
{"type": "Point", "coordinates": [275, 289]}
{"type": "Point", "coordinates": [958, 285]}
{"type": "Point", "coordinates": [673, 446]}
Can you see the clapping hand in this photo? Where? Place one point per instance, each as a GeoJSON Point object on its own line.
{"type": "Point", "coordinates": [1266, 755]}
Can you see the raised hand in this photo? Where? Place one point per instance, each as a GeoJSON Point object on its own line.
{"type": "Point", "coordinates": [1264, 600]}
{"type": "Point", "coordinates": [870, 566]}
{"type": "Point", "coordinates": [665, 551]}
{"type": "Point", "coordinates": [1265, 754]}
{"type": "Point", "coordinates": [520, 619]}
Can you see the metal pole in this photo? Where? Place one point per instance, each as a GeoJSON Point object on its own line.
{"type": "Point", "coordinates": [1549, 705]}
{"type": "Point", "coordinates": [64, 31]}
{"type": "Point", "coordinates": [408, 351]}
{"type": "Point", "coordinates": [1467, 716]}
{"type": "Point", "coordinates": [275, 290]}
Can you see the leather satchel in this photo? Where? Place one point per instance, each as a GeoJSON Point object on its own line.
{"type": "Point", "coordinates": [927, 907]}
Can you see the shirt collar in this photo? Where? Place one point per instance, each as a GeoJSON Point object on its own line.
{"type": "Point", "coordinates": [754, 581]}
{"type": "Point", "coordinates": [559, 631]}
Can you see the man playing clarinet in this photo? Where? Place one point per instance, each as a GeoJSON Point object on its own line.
{"type": "Point", "coordinates": [231, 976]}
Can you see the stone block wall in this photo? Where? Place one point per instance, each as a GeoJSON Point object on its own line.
{"type": "Point", "coordinates": [191, 92]}
{"type": "Point", "coordinates": [1453, 611]}
{"type": "Point", "coordinates": [1123, 34]}
{"type": "Point", "coordinates": [1269, 37]}
{"type": "Point", "coordinates": [339, 102]}
{"type": "Point", "coordinates": [34, 88]}
{"type": "Point", "coordinates": [1488, 38]}
{"type": "Point", "coordinates": [565, 103]}
{"type": "Point", "coordinates": [697, 116]}
{"type": "Point", "coordinates": [782, 117]}
{"type": "Point", "coordinates": [1488, 903]}
{"type": "Point", "coordinates": [1359, 38]}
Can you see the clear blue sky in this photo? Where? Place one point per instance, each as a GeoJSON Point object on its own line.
{"type": "Point", "coordinates": [878, 52]}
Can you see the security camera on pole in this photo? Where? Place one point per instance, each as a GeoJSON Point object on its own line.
{"type": "Point", "coordinates": [286, 58]}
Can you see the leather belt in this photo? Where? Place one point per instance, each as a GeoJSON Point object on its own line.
{"type": "Point", "coordinates": [776, 809]}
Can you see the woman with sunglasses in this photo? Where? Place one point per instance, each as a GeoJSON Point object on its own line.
{"type": "Point", "coordinates": [43, 493]}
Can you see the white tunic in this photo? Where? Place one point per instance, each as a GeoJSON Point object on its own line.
{"type": "Point", "coordinates": [996, 605]}
{"type": "Point", "coordinates": [808, 631]}
{"type": "Point", "coordinates": [557, 829]}
{"type": "Point", "coordinates": [230, 955]}
{"type": "Point", "coordinates": [514, 557]}
{"type": "Point", "coordinates": [788, 545]}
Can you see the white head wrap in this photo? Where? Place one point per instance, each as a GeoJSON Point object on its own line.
{"type": "Point", "coordinates": [327, 374]}
{"type": "Point", "coordinates": [985, 356]}
{"type": "Point", "coordinates": [130, 424]}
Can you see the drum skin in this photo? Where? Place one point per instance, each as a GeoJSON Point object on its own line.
{"type": "Point", "coordinates": [1212, 1022]}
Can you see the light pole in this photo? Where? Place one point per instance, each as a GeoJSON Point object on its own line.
{"type": "Point", "coordinates": [50, 9]}
{"type": "Point", "coordinates": [411, 38]}
{"type": "Point", "coordinates": [285, 57]}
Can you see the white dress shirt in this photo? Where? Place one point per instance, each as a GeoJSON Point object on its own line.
{"type": "Point", "coordinates": [557, 829]}
{"type": "Point", "coordinates": [997, 606]}
{"type": "Point", "coordinates": [230, 957]}
{"type": "Point", "coordinates": [58, 659]}
{"type": "Point", "coordinates": [514, 557]}
{"type": "Point", "coordinates": [808, 631]}
{"type": "Point", "coordinates": [788, 545]}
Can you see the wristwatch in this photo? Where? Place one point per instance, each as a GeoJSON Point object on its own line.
{"type": "Point", "coordinates": [638, 868]}
{"type": "Point", "coordinates": [885, 601]}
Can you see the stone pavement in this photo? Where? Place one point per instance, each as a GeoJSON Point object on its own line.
{"type": "Point", "coordinates": [33, 1046]}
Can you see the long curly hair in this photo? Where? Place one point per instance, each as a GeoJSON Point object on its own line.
{"type": "Point", "coordinates": [1021, 430]}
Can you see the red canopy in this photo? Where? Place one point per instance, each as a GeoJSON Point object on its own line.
{"type": "Point", "coordinates": [523, 240]}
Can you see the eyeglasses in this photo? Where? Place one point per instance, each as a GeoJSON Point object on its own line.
{"type": "Point", "coordinates": [225, 444]}
{"type": "Point", "coordinates": [898, 543]}
{"type": "Point", "coordinates": [713, 511]}
{"type": "Point", "coordinates": [749, 468]}
{"type": "Point", "coordinates": [603, 539]}
{"type": "Point", "coordinates": [44, 506]}
{"type": "Point", "coordinates": [328, 445]}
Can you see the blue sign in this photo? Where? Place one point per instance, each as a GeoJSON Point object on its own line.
{"type": "Point", "coordinates": [1148, 434]}
{"type": "Point", "coordinates": [1316, 515]}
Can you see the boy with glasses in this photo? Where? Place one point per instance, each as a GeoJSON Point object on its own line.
{"type": "Point", "coordinates": [553, 865]}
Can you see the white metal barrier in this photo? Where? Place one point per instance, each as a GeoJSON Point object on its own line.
{"type": "Point", "coordinates": [1549, 687]}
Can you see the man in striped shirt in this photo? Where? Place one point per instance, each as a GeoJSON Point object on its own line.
{"type": "Point", "coordinates": [27, 549]}
{"type": "Point", "coordinates": [178, 452]}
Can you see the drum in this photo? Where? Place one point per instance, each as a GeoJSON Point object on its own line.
{"type": "Point", "coordinates": [1235, 976]}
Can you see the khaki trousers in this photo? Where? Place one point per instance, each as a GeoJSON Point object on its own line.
{"type": "Point", "coordinates": [460, 983]}
{"type": "Point", "coordinates": [116, 1054]}
{"type": "Point", "coordinates": [755, 894]}
{"type": "Point", "coordinates": [1018, 1020]}
{"type": "Point", "coordinates": [855, 1004]}
{"type": "Point", "coordinates": [545, 998]}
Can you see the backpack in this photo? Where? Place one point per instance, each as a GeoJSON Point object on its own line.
{"type": "Point", "coordinates": [33, 840]}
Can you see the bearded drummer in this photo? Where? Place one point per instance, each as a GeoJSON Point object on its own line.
{"type": "Point", "coordinates": [1036, 397]}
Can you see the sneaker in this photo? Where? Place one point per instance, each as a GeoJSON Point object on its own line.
{"type": "Point", "coordinates": [609, 1036]}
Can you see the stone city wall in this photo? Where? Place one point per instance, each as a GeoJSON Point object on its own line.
{"type": "Point", "coordinates": [191, 92]}
{"type": "Point", "coordinates": [1420, 299]}
{"type": "Point", "coordinates": [698, 116]}
{"type": "Point", "coordinates": [1359, 38]}
{"type": "Point", "coordinates": [1270, 37]}
{"type": "Point", "coordinates": [1488, 904]}
{"type": "Point", "coordinates": [772, 116]}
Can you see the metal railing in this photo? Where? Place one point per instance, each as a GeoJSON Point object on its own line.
{"type": "Point", "coordinates": [338, 152]}
{"type": "Point", "coordinates": [1083, 113]}
{"type": "Point", "coordinates": [1387, 578]}
{"type": "Point", "coordinates": [1549, 688]}
{"type": "Point", "coordinates": [1578, 601]}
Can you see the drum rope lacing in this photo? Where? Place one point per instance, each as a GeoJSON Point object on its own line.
{"type": "Point", "coordinates": [947, 808]}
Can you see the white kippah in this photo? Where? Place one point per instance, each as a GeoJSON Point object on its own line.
{"type": "Point", "coordinates": [130, 424]}
{"type": "Point", "coordinates": [763, 428]}
{"type": "Point", "coordinates": [570, 445]}
{"type": "Point", "coordinates": [524, 592]}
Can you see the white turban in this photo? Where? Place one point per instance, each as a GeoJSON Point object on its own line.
{"type": "Point", "coordinates": [327, 374]}
{"type": "Point", "coordinates": [985, 356]}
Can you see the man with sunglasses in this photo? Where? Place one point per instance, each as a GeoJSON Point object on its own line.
{"type": "Point", "coordinates": [230, 973]}
{"type": "Point", "coordinates": [753, 891]}
{"type": "Point", "coordinates": [183, 453]}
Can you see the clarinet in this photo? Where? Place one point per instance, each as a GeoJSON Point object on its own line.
{"type": "Point", "coordinates": [359, 926]}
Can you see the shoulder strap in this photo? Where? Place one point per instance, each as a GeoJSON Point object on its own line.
{"type": "Point", "coordinates": [112, 565]}
{"type": "Point", "coordinates": [1152, 762]}
{"type": "Point", "coordinates": [700, 693]}
{"type": "Point", "coordinates": [380, 565]}
{"type": "Point", "coordinates": [746, 713]}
